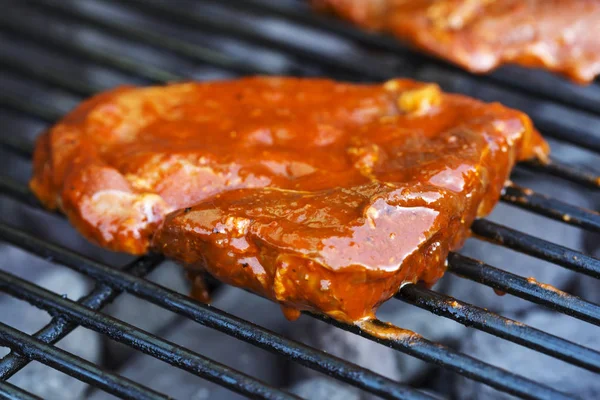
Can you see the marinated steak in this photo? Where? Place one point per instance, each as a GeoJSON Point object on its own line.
{"type": "Point", "coordinates": [320, 195]}
{"type": "Point", "coordinates": [479, 35]}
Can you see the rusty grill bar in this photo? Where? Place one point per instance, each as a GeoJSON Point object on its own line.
{"type": "Point", "coordinates": [111, 281]}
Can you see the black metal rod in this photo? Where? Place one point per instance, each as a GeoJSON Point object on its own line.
{"type": "Point", "coordinates": [76, 48]}
{"type": "Point", "coordinates": [18, 191]}
{"type": "Point", "coordinates": [217, 319]}
{"type": "Point", "coordinates": [138, 339]}
{"type": "Point", "coordinates": [31, 108]}
{"type": "Point", "coordinates": [74, 366]}
{"type": "Point", "coordinates": [526, 288]}
{"type": "Point", "coordinates": [16, 143]}
{"type": "Point", "coordinates": [555, 168]}
{"type": "Point", "coordinates": [310, 357]}
{"type": "Point", "coordinates": [540, 248]}
{"type": "Point", "coordinates": [11, 392]}
{"type": "Point", "coordinates": [472, 316]}
{"type": "Point", "coordinates": [59, 327]}
{"type": "Point", "coordinates": [551, 208]}
{"type": "Point", "coordinates": [222, 25]}
{"type": "Point", "coordinates": [186, 49]}
{"type": "Point", "coordinates": [21, 192]}
{"type": "Point", "coordinates": [45, 74]}
{"type": "Point", "coordinates": [417, 346]}
{"type": "Point", "coordinates": [586, 140]}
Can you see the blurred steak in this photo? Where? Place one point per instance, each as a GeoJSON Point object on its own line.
{"type": "Point", "coordinates": [479, 35]}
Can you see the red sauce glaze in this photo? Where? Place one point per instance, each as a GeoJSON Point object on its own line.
{"type": "Point", "coordinates": [479, 35]}
{"type": "Point", "coordinates": [323, 196]}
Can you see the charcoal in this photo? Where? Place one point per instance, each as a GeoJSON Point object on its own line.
{"type": "Point", "coordinates": [531, 364]}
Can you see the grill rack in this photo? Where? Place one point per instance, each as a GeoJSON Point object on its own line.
{"type": "Point", "coordinates": [111, 282]}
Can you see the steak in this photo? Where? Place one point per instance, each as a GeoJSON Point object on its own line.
{"type": "Point", "coordinates": [479, 35]}
{"type": "Point", "coordinates": [321, 195]}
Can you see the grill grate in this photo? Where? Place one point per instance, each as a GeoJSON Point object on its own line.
{"type": "Point", "coordinates": [112, 281]}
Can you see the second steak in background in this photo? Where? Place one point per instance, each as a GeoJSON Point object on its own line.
{"type": "Point", "coordinates": [479, 35]}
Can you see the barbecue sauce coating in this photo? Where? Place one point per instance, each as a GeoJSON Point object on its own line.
{"type": "Point", "coordinates": [479, 35]}
{"type": "Point", "coordinates": [323, 196]}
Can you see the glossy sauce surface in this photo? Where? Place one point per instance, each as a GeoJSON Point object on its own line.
{"type": "Point", "coordinates": [323, 196]}
{"type": "Point", "coordinates": [479, 35]}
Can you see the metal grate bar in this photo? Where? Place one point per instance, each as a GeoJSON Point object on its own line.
{"type": "Point", "coordinates": [566, 134]}
{"type": "Point", "coordinates": [551, 208]}
{"type": "Point", "coordinates": [43, 73]}
{"type": "Point", "coordinates": [472, 316]}
{"type": "Point", "coordinates": [140, 340]}
{"type": "Point", "coordinates": [22, 104]}
{"type": "Point", "coordinates": [75, 48]}
{"type": "Point", "coordinates": [222, 25]}
{"type": "Point", "coordinates": [16, 144]}
{"type": "Point", "coordinates": [11, 392]}
{"type": "Point", "coordinates": [74, 366]}
{"type": "Point", "coordinates": [526, 288]}
{"type": "Point", "coordinates": [540, 248]}
{"type": "Point", "coordinates": [554, 168]}
{"type": "Point", "coordinates": [179, 47]}
{"type": "Point", "coordinates": [21, 193]}
{"type": "Point", "coordinates": [411, 344]}
{"type": "Point", "coordinates": [48, 75]}
{"type": "Point", "coordinates": [58, 328]}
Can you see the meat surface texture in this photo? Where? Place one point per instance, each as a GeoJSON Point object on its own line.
{"type": "Point", "coordinates": [323, 196]}
{"type": "Point", "coordinates": [479, 35]}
